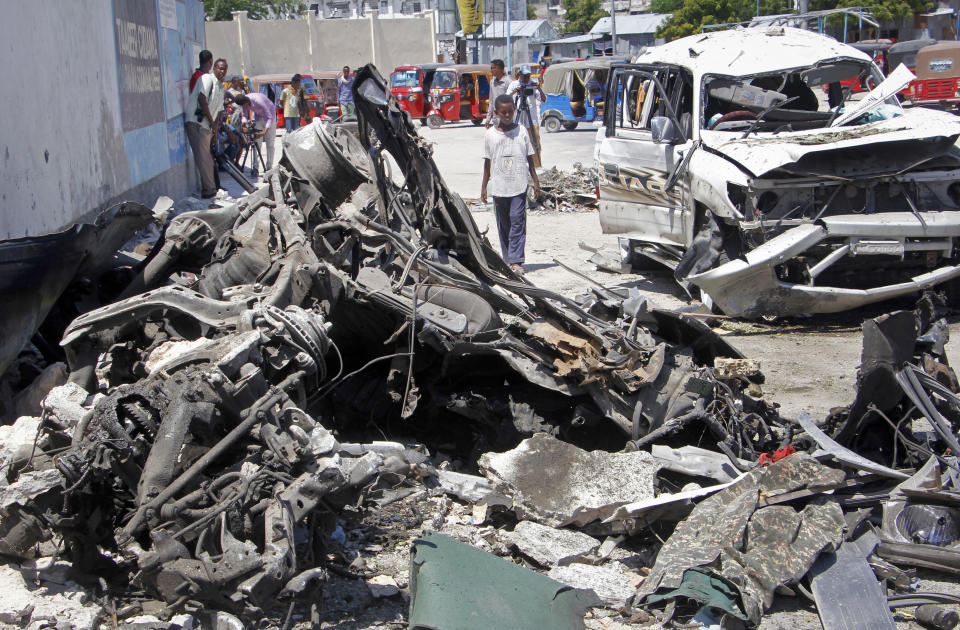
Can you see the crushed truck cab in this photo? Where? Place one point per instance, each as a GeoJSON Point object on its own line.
{"type": "Point", "coordinates": [738, 159]}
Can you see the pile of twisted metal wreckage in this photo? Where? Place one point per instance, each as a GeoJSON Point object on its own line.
{"type": "Point", "coordinates": [338, 372]}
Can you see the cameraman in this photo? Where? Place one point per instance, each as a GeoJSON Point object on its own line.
{"type": "Point", "coordinates": [528, 95]}
{"type": "Point", "coordinates": [261, 110]}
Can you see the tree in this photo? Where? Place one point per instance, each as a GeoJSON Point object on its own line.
{"type": "Point", "coordinates": [256, 9]}
{"type": "Point", "coordinates": [883, 10]}
{"type": "Point", "coordinates": [582, 15]}
{"type": "Point", "coordinates": [693, 15]}
{"type": "Point", "coordinates": [531, 12]}
{"type": "Point", "coordinates": [665, 6]}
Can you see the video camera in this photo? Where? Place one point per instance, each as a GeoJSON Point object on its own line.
{"type": "Point", "coordinates": [249, 131]}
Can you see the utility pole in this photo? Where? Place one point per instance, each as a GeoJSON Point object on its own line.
{"type": "Point", "coordinates": [509, 47]}
{"type": "Point", "coordinates": [613, 27]}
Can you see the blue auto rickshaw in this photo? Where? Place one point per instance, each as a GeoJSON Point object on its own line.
{"type": "Point", "coordinates": [575, 92]}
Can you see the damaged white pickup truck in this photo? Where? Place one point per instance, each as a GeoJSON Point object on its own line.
{"type": "Point", "coordinates": [738, 159]}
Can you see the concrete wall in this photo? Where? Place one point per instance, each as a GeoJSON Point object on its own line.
{"type": "Point", "coordinates": [123, 65]}
{"type": "Point", "coordinates": [223, 41]}
{"type": "Point", "coordinates": [314, 44]}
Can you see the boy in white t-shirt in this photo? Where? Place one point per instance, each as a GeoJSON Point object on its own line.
{"type": "Point", "coordinates": [507, 161]}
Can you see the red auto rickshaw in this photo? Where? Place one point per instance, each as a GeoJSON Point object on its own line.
{"type": "Point", "coordinates": [460, 92]}
{"type": "Point", "coordinates": [411, 87]}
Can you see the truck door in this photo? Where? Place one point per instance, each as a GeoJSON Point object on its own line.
{"type": "Point", "coordinates": [636, 160]}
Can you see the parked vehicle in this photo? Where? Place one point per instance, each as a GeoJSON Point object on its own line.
{"type": "Point", "coordinates": [938, 76]}
{"type": "Point", "coordinates": [575, 93]}
{"type": "Point", "coordinates": [411, 87]}
{"type": "Point", "coordinates": [770, 200]}
{"type": "Point", "coordinates": [906, 53]}
{"type": "Point", "coordinates": [460, 92]}
{"type": "Point", "coordinates": [326, 82]}
{"type": "Point", "coordinates": [272, 85]}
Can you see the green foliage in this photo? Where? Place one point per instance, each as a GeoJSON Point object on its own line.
{"type": "Point", "coordinates": [665, 6]}
{"type": "Point", "coordinates": [882, 10]}
{"type": "Point", "coordinates": [531, 12]}
{"type": "Point", "coordinates": [689, 16]}
{"type": "Point", "coordinates": [582, 15]}
{"type": "Point", "coordinates": [256, 9]}
{"type": "Point", "coordinates": [692, 15]}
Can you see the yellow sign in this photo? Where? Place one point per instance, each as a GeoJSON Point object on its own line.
{"type": "Point", "coordinates": [471, 15]}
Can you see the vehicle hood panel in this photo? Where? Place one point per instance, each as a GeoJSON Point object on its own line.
{"type": "Point", "coordinates": [909, 139]}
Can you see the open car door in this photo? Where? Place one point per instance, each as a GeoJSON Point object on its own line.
{"type": "Point", "coordinates": [647, 131]}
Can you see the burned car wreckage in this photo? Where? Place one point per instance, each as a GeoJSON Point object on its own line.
{"type": "Point", "coordinates": [738, 159]}
{"type": "Point", "coordinates": [330, 336]}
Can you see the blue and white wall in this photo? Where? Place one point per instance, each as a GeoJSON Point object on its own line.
{"type": "Point", "coordinates": [92, 107]}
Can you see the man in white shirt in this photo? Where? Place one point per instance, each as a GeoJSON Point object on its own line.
{"type": "Point", "coordinates": [527, 97]}
{"type": "Point", "coordinates": [203, 122]}
{"type": "Point", "coordinates": [507, 161]}
{"type": "Point", "coordinates": [498, 86]}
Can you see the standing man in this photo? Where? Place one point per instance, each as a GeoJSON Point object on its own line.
{"type": "Point", "coordinates": [345, 92]}
{"type": "Point", "coordinates": [202, 123]}
{"type": "Point", "coordinates": [498, 86]}
{"type": "Point", "coordinates": [262, 111]}
{"type": "Point", "coordinates": [527, 96]}
{"type": "Point", "coordinates": [507, 161]}
{"type": "Point", "coordinates": [206, 63]}
{"type": "Point", "coordinates": [290, 100]}
{"type": "Point", "coordinates": [236, 87]}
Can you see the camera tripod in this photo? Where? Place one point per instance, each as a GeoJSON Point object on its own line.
{"type": "Point", "coordinates": [524, 117]}
{"type": "Point", "coordinates": [252, 150]}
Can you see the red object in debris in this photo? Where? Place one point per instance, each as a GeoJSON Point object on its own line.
{"type": "Point", "coordinates": [780, 453]}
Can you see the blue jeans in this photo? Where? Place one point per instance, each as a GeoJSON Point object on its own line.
{"type": "Point", "coordinates": [512, 225]}
{"type": "Point", "coordinates": [291, 124]}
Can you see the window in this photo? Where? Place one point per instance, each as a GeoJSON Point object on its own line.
{"type": "Point", "coordinates": [642, 95]}
{"type": "Point", "coordinates": [416, 7]}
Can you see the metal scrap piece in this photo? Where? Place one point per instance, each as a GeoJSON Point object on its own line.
{"type": "Point", "coordinates": [454, 586]}
{"type": "Point", "coordinates": [558, 484]}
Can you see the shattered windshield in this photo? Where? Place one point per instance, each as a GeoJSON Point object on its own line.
{"type": "Point", "coordinates": [445, 80]}
{"type": "Point", "coordinates": [405, 78]}
{"type": "Point", "coordinates": [791, 100]}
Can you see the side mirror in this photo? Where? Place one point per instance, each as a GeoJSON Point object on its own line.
{"type": "Point", "coordinates": [664, 131]}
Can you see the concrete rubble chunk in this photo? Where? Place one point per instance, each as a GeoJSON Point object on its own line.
{"type": "Point", "coordinates": [383, 586]}
{"type": "Point", "coordinates": [16, 440]}
{"type": "Point", "coordinates": [557, 484]}
{"type": "Point", "coordinates": [21, 603]}
{"type": "Point", "coordinates": [28, 487]}
{"type": "Point", "coordinates": [549, 546]}
{"type": "Point", "coordinates": [65, 403]}
{"type": "Point", "coordinates": [609, 582]}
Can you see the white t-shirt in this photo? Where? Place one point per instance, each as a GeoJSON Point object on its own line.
{"type": "Point", "coordinates": [533, 100]}
{"type": "Point", "coordinates": [507, 152]}
{"type": "Point", "coordinates": [209, 86]}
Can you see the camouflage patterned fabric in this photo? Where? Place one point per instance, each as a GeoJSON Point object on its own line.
{"type": "Point", "coordinates": [755, 549]}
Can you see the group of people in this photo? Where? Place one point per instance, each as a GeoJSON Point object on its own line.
{"type": "Point", "coordinates": [511, 153]}
{"type": "Point", "coordinates": [219, 119]}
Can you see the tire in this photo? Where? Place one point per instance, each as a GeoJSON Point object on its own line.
{"type": "Point", "coordinates": [423, 121]}
{"type": "Point", "coordinates": [551, 124]}
{"type": "Point", "coordinates": [476, 121]}
{"type": "Point", "coordinates": [434, 121]}
{"type": "Point", "coordinates": [570, 126]}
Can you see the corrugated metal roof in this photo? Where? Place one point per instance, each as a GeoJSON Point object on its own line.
{"type": "Point", "coordinates": [576, 39]}
{"type": "Point", "coordinates": [638, 24]}
{"type": "Point", "coordinates": [518, 28]}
